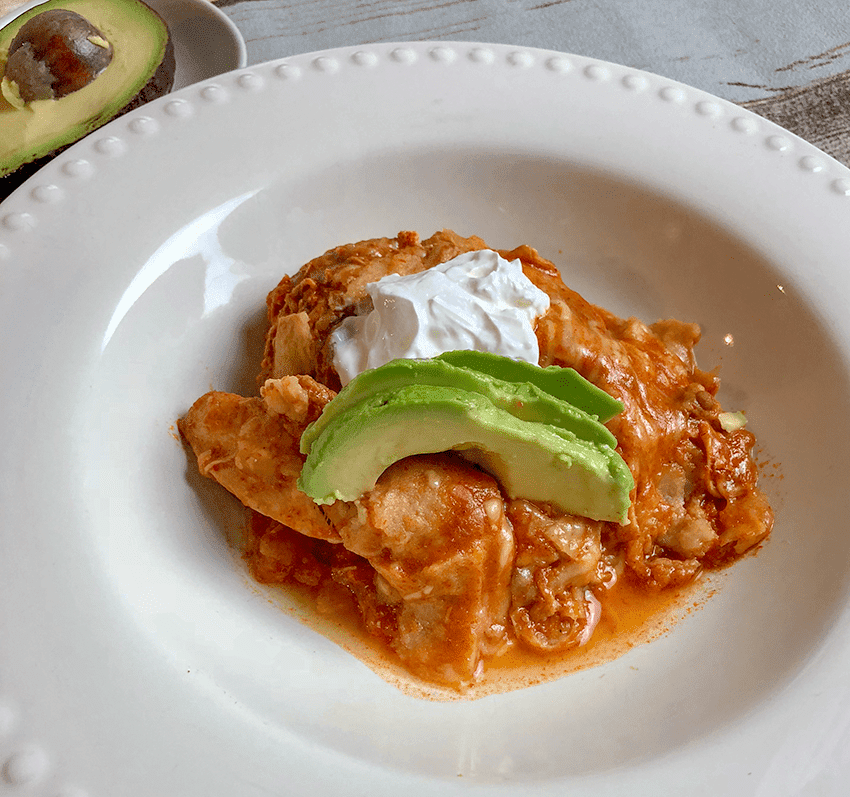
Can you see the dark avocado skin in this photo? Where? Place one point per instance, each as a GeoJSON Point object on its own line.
{"type": "Point", "coordinates": [159, 85]}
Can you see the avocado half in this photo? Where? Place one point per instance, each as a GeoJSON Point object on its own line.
{"type": "Point", "coordinates": [141, 69]}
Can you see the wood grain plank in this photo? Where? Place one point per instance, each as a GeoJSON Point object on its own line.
{"type": "Point", "coordinates": [312, 18]}
{"type": "Point", "coordinates": [818, 112]}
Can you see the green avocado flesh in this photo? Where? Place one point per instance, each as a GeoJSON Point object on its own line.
{"type": "Point", "coordinates": [531, 460]}
{"type": "Point", "coordinates": [563, 383]}
{"type": "Point", "coordinates": [524, 400]}
{"type": "Point", "coordinates": [141, 68]}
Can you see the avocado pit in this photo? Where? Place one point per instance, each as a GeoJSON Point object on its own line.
{"type": "Point", "coordinates": [67, 67]}
{"type": "Point", "coordinates": [56, 53]}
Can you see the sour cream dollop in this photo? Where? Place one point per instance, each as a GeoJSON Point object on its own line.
{"type": "Point", "coordinates": [477, 301]}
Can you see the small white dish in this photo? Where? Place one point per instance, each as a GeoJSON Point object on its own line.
{"type": "Point", "coordinates": [206, 41]}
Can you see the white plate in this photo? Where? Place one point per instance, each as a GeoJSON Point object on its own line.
{"type": "Point", "coordinates": [206, 41]}
{"type": "Point", "coordinates": [138, 660]}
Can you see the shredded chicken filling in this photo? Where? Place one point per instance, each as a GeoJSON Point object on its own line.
{"type": "Point", "coordinates": [435, 560]}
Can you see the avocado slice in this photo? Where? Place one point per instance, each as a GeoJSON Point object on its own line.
{"type": "Point", "coordinates": [563, 383]}
{"type": "Point", "coordinates": [523, 400]}
{"type": "Point", "coordinates": [531, 460]}
{"type": "Point", "coordinates": [140, 67]}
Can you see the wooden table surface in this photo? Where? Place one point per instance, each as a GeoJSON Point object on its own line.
{"type": "Point", "coordinates": [787, 61]}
